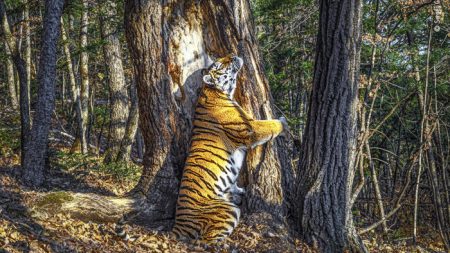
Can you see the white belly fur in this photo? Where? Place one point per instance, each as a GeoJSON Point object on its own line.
{"type": "Point", "coordinates": [238, 157]}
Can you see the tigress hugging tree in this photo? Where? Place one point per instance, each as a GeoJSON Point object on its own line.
{"type": "Point", "coordinates": [170, 44]}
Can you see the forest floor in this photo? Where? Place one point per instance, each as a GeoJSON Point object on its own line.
{"type": "Point", "coordinates": [22, 231]}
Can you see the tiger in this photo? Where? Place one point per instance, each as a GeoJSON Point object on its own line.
{"type": "Point", "coordinates": [207, 208]}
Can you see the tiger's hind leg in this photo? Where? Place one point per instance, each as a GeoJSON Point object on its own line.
{"type": "Point", "coordinates": [222, 224]}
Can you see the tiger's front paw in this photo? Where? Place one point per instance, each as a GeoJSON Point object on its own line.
{"type": "Point", "coordinates": [285, 126]}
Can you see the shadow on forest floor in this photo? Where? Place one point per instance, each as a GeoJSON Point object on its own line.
{"type": "Point", "coordinates": [24, 233]}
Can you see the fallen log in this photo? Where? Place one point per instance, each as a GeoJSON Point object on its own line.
{"type": "Point", "coordinates": [83, 206]}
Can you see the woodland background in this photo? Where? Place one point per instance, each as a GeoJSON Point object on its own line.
{"type": "Point", "coordinates": [96, 108]}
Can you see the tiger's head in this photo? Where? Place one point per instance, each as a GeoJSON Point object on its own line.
{"type": "Point", "coordinates": [222, 74]}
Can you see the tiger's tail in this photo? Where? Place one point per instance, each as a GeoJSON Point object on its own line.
{"type": "Point", "coordinates": [119, 228]}
{"type": "Point", "coordinates": [120, 231]}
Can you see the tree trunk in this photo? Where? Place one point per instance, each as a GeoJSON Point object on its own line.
{"type": "Point", "coordinates": [36, 150]}
{"type": "Point", "coordinates": [22, 76]}
{"type": "Point", "coordinates": [74, 90]}
{"type": "Point", "coordinates": [84, 76]}
{"type": "Point", "coordinates": [326, 169]}
{"type": "Point", "coordinates": [376, 187]}
{"type": "Point", "coordinates": [132, 125]}
{"type": "Point", "coordinates": [10, 78]}
{"type": "Point", "coordinates": [437, 201]}
{"type": "Point", "coordinates": [117, 88]}
{"type": "Point", "coordinates": [139, 144]}
{"type": "Point", "coordinates": [27, 53]}
{"type": "Point", "coordinates": [179, 38]}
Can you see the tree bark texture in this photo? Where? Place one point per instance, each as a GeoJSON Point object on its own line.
{"type": "Point", "coordinates": [22, 77]}
{"type": "Point", "coordinates": [116, 80]}
{"type": "Point", "coordinates": [326, 170]}
{"type": "Point", "coordinates": [181, 38]}
{"type": "Point", "coordinates": [84, 77]}
{"type": "Point", "coordinates": [36, 150]}
{"type": "Point", "coordinates": [132, 125]}
{"type": "Point", "coordinates": [27, 51]}
{"type": "Point", "coordinates": [10, 78]}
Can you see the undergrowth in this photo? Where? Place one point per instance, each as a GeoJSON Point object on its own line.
{"type": "Point", "coordinates": [9, 138]}
{"type": "Point", "coordinates": [72, 161]}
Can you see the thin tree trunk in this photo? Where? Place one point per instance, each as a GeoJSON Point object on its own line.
{"type": "Point", "coordinates": [116, 80]}
{"type": "Point", "coordinates": [423, 129]}
{"type": "Point", "coordinates": [326, 170]}
{"type": "Point", "coordinates": [22, 77]}
{"type": "Point", "coordinates": [10, 78]}
{"type": "Point", "coordinates": [36, 150]}
{"type": "Point", "coordinates": [27, 53]}
{"type": "Point", "coordinates": [84, 76]}
{"type": "Point", "coordinates": [132, 125]}
{"type": "Point", "coordinates": [74, 90]}
{"type": "Point", "coordinates": [439, 208]}
{"type": "Point", "coordinates": [376, 187]}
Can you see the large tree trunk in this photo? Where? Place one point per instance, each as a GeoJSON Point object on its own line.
{"type": "Point", "coordinates": [116, 80]}
{"type": "Point", "coordinates": [24, 101]}
{"type": "Point", "coordinates": [158, 113]}
{"type": "Point", "coordinates": [35, 151]}
{"type": "Point", "coordinates": [179, 38]}
{"type": "Point", "coordinates": [326, 170]}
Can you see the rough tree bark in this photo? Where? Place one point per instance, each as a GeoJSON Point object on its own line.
{"type": "Point", "coordinates": [35, 151]}
{"type": "Point", "coordinates": [181, 38]}
{"type": "Point", "coordinates": [157, 109]}
{"type": "Point", "coordinates": [116, 80]}
{"type": "Point", "coordinates": [326, 170]}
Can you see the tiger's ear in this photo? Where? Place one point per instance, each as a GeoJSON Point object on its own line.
{"type": "Point", "coordinates": [208, 79]}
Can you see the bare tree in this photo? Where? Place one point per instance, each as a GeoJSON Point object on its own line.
{"type": "Point", "coordinates": [326, 169]}
{"type": "Point", "coordinates": [10, 78]}
{"type": "Point", "coordinates": [73, 87]}
{"type": "Point", "coordinates": [84, 76]}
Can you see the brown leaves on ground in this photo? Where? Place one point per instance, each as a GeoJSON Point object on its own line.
{"type": "Point", "coordinates": [22, 231]}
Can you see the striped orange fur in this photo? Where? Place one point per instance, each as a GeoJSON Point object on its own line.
{"type": "Point", "coordinates": [207, 208]}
